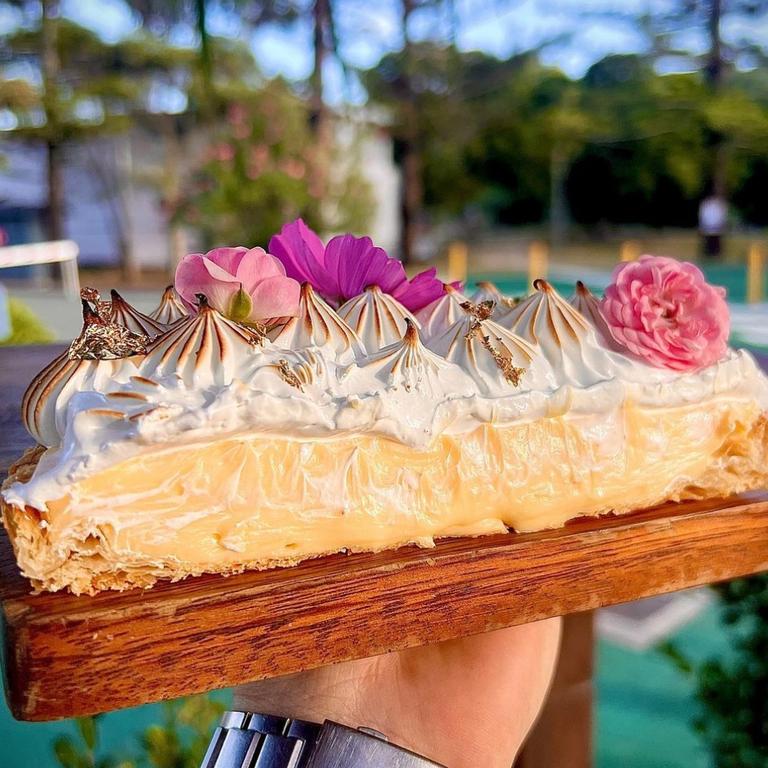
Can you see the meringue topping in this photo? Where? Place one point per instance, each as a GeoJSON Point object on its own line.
{"type": "Point", "coordinates": [203, 349]}
{"type": "Point", "coordinates": [317, 325]}
{"type": "Point", "coordinates": [587, 304]}
{"type": "Point", "coordinates": [377, 318]}
{"type": "Point", "coordinates": [171, 309]}
{"type": "Point", "coordinates": [497, 359]}
{"type": "Point", "coordinates": [409, 365]}
{"type": "Point", "coordinates": [566, 338]}
{"type": "Point", "coordinates": [100, 356]}
{"type": "Point", "coordinates": [488, 291]}
{"type": "Point", "coordinates": [442, 312]}
{"type": "Point", "coordinates": [130, 317]}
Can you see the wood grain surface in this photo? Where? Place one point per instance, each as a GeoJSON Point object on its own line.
{"type": "Point", "coordinates": [68, 655]}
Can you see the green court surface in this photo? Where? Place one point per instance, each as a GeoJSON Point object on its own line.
{"type": "Point", "coordinates": [645, 706]}
{"type": "Point", "coordinates": [643, 712]}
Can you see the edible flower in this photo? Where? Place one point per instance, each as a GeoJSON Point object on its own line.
{"type": "Point", "coordinates": [347, 265]}
{"type": "Point", "coordinates": [665, 312]}
{"type": "Point", "coordinates": [246, 284]}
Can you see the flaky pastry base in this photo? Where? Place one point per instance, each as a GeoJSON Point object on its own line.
{"type": "Point", "coordinates": [526, 477]}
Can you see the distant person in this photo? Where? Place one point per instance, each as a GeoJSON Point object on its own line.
{"type": "Point", "coordinates": [713, 217]}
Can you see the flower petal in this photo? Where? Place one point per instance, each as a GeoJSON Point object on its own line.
{"type": "Point", "coordinates": [421, 290]}
{"type": "Point", "coordinates": [302, 254]}
{"type": "Point", "coordinates": [275, 297]}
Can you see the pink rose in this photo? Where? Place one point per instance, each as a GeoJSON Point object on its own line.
{"type": "Point", "coordinates": [248, 285]}
{"type": "Point", "coordinates": [665, 312]}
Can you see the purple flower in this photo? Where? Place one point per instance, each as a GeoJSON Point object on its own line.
{"type": "Point", "coordinates": [348, 265]}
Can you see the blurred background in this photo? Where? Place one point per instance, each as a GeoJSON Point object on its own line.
{"type": "Point", "coordinates": [496, 139]}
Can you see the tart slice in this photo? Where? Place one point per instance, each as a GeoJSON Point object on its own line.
{"type": "Point", "coordinates": [220, 445]}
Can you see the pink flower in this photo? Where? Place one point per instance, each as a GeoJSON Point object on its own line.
{"type": "Point", "coordinates": [224, 153]}
{"type": "Point", "coordinates": [665, 312]}
{"type": "Point", "coordinates": [348, 265]}
{"type": "Point", "coordinates": [247, 285]}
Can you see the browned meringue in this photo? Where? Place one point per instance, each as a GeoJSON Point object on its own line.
{"type": "Point", "coordinates": [171, 309]}
{"type": "Point", "coordinates": [130, 317]}
{"type": "Point", "coordinates": [442, 312]}
{"type": "Point", "coordinates": [93, 360]}
{"type": "Point", "coordinates": [491, 354]}
{"type": "Point", "coordinates": [586, 303]}
{"type": "Point", "coordinates": [317, 325]}
{"type": "Point", "coordinates": [488, 291]}
{"type": "Point", "coordinates": [377, 318]}
{"type": "Point", "coordinates": [202, 349]}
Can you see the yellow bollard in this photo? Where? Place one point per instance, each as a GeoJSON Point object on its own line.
{"type": "Point", "coordinates": [538, 261]}
{"type": "Point", "coordinates": [755, 272]}
{"type": "Point", "coordinates": [629, 250]}
{"type": "Point", "coordinates": [457, 262]}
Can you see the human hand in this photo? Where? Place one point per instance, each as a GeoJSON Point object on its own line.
{"type": "Point", "coordinates": [464, 703]}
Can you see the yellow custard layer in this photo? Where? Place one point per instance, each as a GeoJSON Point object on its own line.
{"type": "Point", "coordinates": [256, 500]}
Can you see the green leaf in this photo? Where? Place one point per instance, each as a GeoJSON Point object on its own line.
{"type": "Point", "coordinates": [67, 753]}
{"type": "Point", "coordinates": [88, 730]}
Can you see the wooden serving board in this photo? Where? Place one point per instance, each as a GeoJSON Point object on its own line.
{"type": "Point", "coordinates": [68, 655]}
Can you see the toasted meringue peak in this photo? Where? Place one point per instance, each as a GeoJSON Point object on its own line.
{"type": "Point", "coordinates": [130, 317]}
{"type": "Point", "coordinates": [488, 291]}
{"type": "Point", "coordinates": [442, 312]}
{"type": "Point", "coordinates": [203, 349]}
{"type": "Point", "coordinates": [377, 318]}
{"type": "Point", "coordinates": [44, 405]}
{"type": "Point", "coordinates": [565, 336]}
{"type": "Point", "coordinates": [101, 339]}
{"type": "Point", "coordinates": [586, 303]}
{"type": "Point", "coordinates": [171, 309]}
{"type": "Point", "coordinates": [407, 364]}
{"type": "Point", "coordinates": [317, 325]}
{"type": "Point", "coordinates": [497, 359]}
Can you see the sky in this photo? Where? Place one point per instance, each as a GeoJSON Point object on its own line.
{"type": "Point", "coordinates": [574, 33]}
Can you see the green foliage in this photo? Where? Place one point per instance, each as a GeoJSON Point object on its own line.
{"type": "Point", "coordinates": [258, 174]}
{"type": "Point", "coordinates": [629, 144]}
{"type": "Point", "coordinates": [731, 698]}
{"type": "Point", "coordinates": [178, 741]}
{"type": "Point", "coordinates": [25, 327]}
{"type": "Point", "coordinates": [98, 85]}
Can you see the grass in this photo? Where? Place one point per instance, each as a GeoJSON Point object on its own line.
{"type": "Point", "coordinates": [25, 327]}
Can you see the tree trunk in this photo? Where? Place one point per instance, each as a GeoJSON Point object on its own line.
{"type": "Point", "coordinates": [713, 72]}
{"type": "Point", "coordinates": [320, 115]}
{"type": "Point", "coordinates": [206, 58]}
{"type": "Point", "coordinates": [411, 164]}
{"type": "Point", "coordinates": [50, 68]}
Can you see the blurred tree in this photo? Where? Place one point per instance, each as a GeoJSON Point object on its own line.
{"type": "Point", "coordinates": [87, 88]}
{"type": "Point", "coordinates": [400, 82]}
{"type": "Point", "coordinates": [502, 134]}
{"type": "Point", "coordinates": [256, 175]}
{"type": "Point", "coordinates": [162, 16]}
{"type": "Point", "coordinates": [210, 101]}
